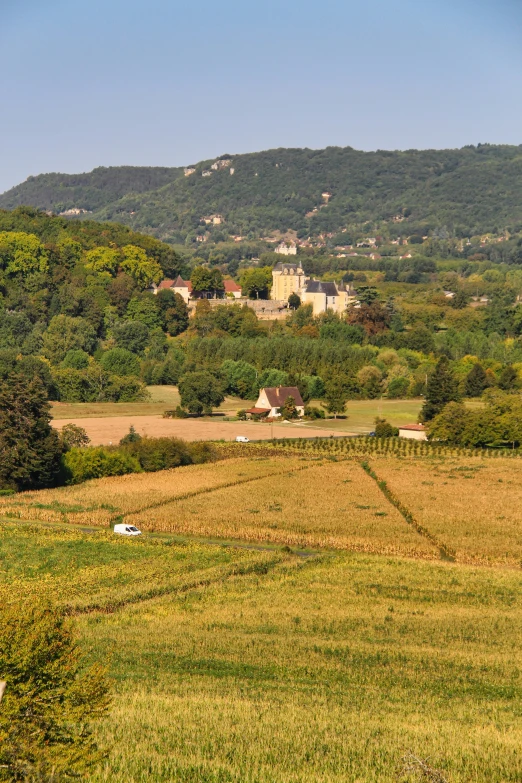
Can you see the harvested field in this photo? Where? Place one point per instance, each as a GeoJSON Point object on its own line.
{"type": "Point", "coordinates": [98, 501]}
{"type": "Point", "coordinates": [336, 506]}
{"type": "Point", "coordinates": [471, 504]}
{"type": "Point", "coordinates": [110, 429]}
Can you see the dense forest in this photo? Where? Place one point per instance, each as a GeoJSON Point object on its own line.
{"type": "Point", "coordinates": [448, 193]}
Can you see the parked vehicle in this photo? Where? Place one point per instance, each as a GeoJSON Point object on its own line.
{"type": "Point", "coordinates": [127, 530]}
{"type": "Point", "coordinates": [242, 439]}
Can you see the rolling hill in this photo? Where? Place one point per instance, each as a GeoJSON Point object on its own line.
{"type": "Point", "coordinates": [468, 191]}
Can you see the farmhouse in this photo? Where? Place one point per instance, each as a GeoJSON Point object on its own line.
{"type": "Point", "coordinates": [272, 398]}
{"type": "Point", "coordinates": [179, 286]}
{"type": "Point", "coordinates": [413, 432]}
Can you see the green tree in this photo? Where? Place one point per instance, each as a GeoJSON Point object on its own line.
{"type": "Point", "coordinates": [64, 334]}
{"type": "Point", "coordinates": [131, 437]}
{"type": "Point", "coordinates": [174, 312]}
{"type": "Point", "coordinates": [102, 259]}
{"type": "Point", "coordinates": [73, 436]}
{"type": "Point", "coordinates": [132, 335]}
{"type": "Point", "coordinates": [294, 301]}
{"type": "Point", "coordinates": [120, 361]}
{"type": "Point", "coordinates": [442, 388]}
{"type": "Point", "coordinates": [140, 267]}
{"type": "Point", "coordinates": [383, 429]}
{"type": "Point", "coordinates": [207, 281]}
{"type": "Point", "coordinates": [200, 392]}
{"type": "Point", "coordinates": [335, 396]}
{"type": "Point", "coordinates": [288, 410]}
{"type": "Point", "coordinates": [145, 308]}
{"type": "Point", "coordinates": [22, 253]}
{"type": "Point", "coordinates": [76, 359]}
{"type": "Point", "coordinates": [476, 381]}
{"type": "Point", "coordinates": [369, 379]}
{"type": "Point", "coordinates": [30, 449]}
{"type": "Point", "coordinates": [256, 283]}
{"type": "Point", "coordinates": [508, 379]}
{"type": "Point", "coordinates": [51, 700]}
{"type": "Point", "coordinates": [459, 301]}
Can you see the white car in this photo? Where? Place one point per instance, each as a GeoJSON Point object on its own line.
{"type": "Point", "coordinates": [242, 439]}
{"type": "Point", "coordinates": [127, 530]}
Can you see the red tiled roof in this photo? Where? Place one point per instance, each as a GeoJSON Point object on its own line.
{"type": "Point", "coordinates": [166, 284]}
{"type": "Point", "coordinates": [258, 411]}
{"type": "Point", "coordinates": [177, 283]}
{"type": "Point", "coordinates": [231, 286]}
{"type": "Point", "coordinates": [413, 427]}
{"type": "Point", "coordinates": [277, 395]}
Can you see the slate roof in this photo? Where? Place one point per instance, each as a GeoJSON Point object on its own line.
{"type": "Point", "coordinates": [292, 268]}
{"type": "Point", "coordinates": [317, 287]}
{"type": "Point", "coordinates": [277, 395]}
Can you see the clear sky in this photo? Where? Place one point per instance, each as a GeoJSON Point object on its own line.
{"type": "Point", "coordinates": [170, 82]}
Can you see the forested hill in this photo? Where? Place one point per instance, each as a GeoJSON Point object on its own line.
{"type": "Point", "coordinates": [465, 192]}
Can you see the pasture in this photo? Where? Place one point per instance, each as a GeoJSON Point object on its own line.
{"type": "Point", "coordinates": [281, 620]}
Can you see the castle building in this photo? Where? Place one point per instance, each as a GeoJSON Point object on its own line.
{"type": "Point", "coordinates": [287, 279]}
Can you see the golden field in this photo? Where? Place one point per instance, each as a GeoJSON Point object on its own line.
{"type": "Point", "coordinates": [99, 501]}
{"type": "Point", "coordinates": [255, 664]}
{"type": "Point", "coordinates": [334, 505]}
{"type": "Point", "coordinates": [472, 504]}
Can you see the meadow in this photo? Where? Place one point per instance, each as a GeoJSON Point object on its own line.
{"type": "Point", "coordinates": [292, 615]}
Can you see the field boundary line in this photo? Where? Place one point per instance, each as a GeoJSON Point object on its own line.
{"type": "Point", "coordinates": [446, 552]}
{"type": "Point", "coordinates": [207, 490]}
{"type": "Point", "coordinates": [261, 567]}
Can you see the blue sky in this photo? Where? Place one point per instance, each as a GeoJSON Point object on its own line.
{"type": "Point", "coordinates": [171, 82]}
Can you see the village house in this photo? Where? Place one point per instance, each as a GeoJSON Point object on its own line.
{"type": "Point", "coordinates": [179, 286]}
{"type": "Point", "coordinates": [272, 398]}
{"type": "Point", "coordinates": [232, 289]}
{"type": "Point", "coordinates": [286, 249]}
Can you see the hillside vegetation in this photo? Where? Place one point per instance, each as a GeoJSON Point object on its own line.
{"type": "Point", "coordinates": [468, 191]}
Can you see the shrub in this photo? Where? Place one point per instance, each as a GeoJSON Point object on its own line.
{"type": "Point", "coordinates": [159, 453]}
{"type": "Point", "coordinates": [97, 462]}
{"type": "Point", "coordinates": [312, 412]}
{"type": "Point", "coordinates": [73, 436]}
{"type": "Point", "coordinates": [50, 699]}
{"type": "Point", "coordinates": [131, 437]}
{"type": "Point", "coordinates": [383, 429]}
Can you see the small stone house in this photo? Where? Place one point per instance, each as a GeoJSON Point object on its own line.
{"type": "Point", "coordinates": [272, 398]}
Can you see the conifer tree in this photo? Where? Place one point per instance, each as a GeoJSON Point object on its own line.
{"type": "Point", "coordinates": [442, 388]}
{"type": "Point", "coordinates": [30, 450]}
{"type": "Point", "coordinates": [476, 381]}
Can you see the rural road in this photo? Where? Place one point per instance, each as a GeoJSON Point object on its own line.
{"type": "Point", "coordinates": [103, 431]}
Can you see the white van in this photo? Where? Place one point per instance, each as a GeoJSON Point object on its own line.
{"type": "Point", "coordinates": [242, 439]}
{"type": "Point", "coordinates": [127, 530]}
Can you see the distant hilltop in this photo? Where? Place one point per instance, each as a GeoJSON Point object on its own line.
{"type": "Point", "coordinates": [298, 193]}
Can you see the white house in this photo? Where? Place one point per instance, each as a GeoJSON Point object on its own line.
{"type": "Point", "coordinates": [286, 249]}
{"type": "Point", "coordinates": [272, 398]}
{"type": "Point", "coordinates": [232, 289]}
{"type": "Point", "coordinates": [413, 432]}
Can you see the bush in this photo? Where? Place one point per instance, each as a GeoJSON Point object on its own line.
{"type": "Point", "coordinates": [97, 462]}
{"type": "Point", "coordinates": [163, 453]}
{"type": "Point", "coordinates": [383, 429]}
{"type": "Point", "coordinates": [50, 698]}
{"type": "Point", "coordinates": [131, 437]}
{"type": "Point", "coordinates": [312, 412]}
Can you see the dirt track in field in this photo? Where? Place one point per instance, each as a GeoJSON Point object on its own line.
{"type": "Point", "coordinates": [103, 431]}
